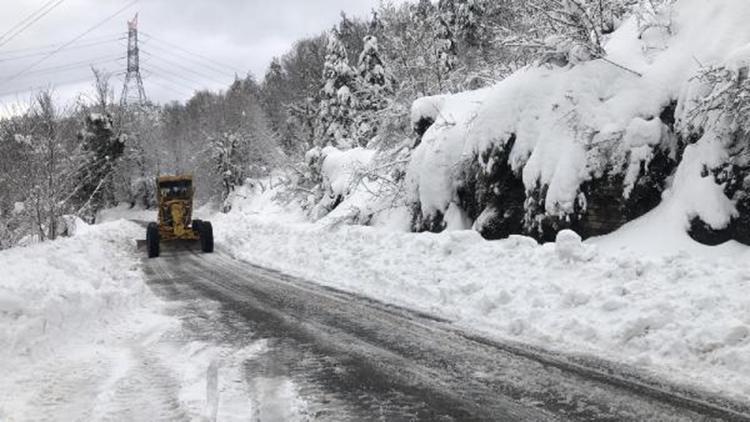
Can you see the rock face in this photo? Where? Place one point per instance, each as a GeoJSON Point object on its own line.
{"type": "Point", "coordinates": [734, 176]}
{"type": "Point", "coordinates": [421, 126]}
{"type": "Point", "coordinates": [434, 223]}
{"type": "Point", "coordinates": [494, 196]}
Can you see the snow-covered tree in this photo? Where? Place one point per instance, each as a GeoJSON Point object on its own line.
{"type": "Point", "coordinates": [444, 24]}
{"type": "Point", "coordinates": [338, 101]}
{"type": "Point", "coordinates": [37, 166]}
{"type": "Point", "coordinates": [102, 148]}
{"type": "Point", "coordinates": [376, 26]}
{"type": "Point", "coordinates": [351, 31]}
{"type": "Point", "coordinates": [243, 143]}
{"type": "Point", "coordinates": [140, 129]}
{"type": "Point", "coordinates": [229, 153]}
{"type": "Point", "coordinates": [374, 87]}
{"type": "Point", "coordinates": [46, 158]}
{"type": "Point", "coordinates": [273, 94]}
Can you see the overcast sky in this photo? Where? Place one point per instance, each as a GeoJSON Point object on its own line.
{"type": "Point", "coordinates": [237, 35]}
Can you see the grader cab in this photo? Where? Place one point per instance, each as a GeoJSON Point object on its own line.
{"type": "Point", "coordinates": [174, 196]}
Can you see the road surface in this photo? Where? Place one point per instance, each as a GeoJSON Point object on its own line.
{"type": "Point", "coordinates": [352, 358]}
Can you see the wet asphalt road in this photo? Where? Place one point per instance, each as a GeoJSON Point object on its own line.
{"type": "Point", "coordinates": [353, 358]}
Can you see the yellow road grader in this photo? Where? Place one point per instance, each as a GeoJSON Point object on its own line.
{"type": "Point", "coordinates": [175, 198]}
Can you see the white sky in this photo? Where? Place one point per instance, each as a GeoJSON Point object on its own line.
{"type": "Point", "coordinates": [237, 35]}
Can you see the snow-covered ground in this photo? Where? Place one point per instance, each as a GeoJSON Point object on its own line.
{"type": "Point", "coordinates": [680, 311]}
{"type": "Point", "coordinates": [83, 338]}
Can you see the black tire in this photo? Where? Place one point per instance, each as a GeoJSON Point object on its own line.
{"type": "Point", "coordinates": [152, 240]}
{"type": "Point", "coordinates": [197, 226]}
{"type": "Point", "coordinates": [207, 237]}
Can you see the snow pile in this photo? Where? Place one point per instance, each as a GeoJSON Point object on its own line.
{"type": "Point", "coordinates": [83, 338]}
{"type": "Point", "coordinates": [340, 168]}
{"type": "Point", "coordinates": [358, 189]}
{"type": "Point", "coordinates": [570, 248]}
{"type": "Point", "coordinates": [60, 302]}
{"type": "Point", "coordinates": [662, 314]}
{"type": "Point", "coordinates": [67, 288]}
{"type": "Point", "coordinates": [573, 124]}
{"type": "Point", "coordinates": [261, 198]}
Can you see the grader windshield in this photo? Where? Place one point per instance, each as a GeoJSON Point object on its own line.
{"type": "Point", "coordinates": [176, 189]}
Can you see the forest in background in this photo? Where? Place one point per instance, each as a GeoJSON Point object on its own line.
{"type": "Point", "coordinates": [351, 86]}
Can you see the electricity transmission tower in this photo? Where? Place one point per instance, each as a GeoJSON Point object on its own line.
{"type": "Point", "coordinates": [132, 89]}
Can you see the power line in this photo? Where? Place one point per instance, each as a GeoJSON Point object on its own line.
{"type": "Point", "coordinates": [193, 61]}
{"type": "Point", "coordinates": [73, 47]}
{"type": "Point", "coordinates": [48, 47]}
{"type": "Point", "coordinates": [25, 20]}
{"type": "Point", "coordinates": [187, 69]}
{"type": "Point", "coordinates": [5, 39]}
{"type": "Point", "coordinates": [32, 88]}
{"type": "Point", "coordinates": [171, 85]}
{"type": "Point", "coordinates": [76, 65]}
{"type": "Point", "coordinates": [71, 42]}
{"type": "Point", "coordinates": [199, 62]}
{"type": "Point", "coordinates": [169, 76]}
{"type": "Point", "coordinates": [175, 46]}
{"type": "Point", "coordinates": [175, 90]}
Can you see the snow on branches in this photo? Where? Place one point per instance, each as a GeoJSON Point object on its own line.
{"type": "Point", "coordinates": [725, 105]}
{"type": "Point", "coordinates": [337, 96]}
{"type": "Point", "coordinates": [577, 29]}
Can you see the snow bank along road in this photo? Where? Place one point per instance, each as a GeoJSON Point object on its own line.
{"type": "Point", "coordinates": [331, 355]}
{"type": "Point", "coordinates": [82, 338]}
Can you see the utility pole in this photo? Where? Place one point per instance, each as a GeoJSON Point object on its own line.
{"type": "Point", "coordinates": [132, 90]}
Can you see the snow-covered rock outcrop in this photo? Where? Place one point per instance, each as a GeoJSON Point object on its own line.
{"type": "Point", "coordinates": [592, 146]}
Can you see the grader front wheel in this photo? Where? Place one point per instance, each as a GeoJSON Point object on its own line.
{"type": "Point", "coordinates": [206, 232]}
{"type": "Point", "coordinates": [152, 240]}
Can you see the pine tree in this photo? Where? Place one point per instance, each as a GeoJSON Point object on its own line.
{"type": "Point", "coordinates": [373, 88]}
{"type": "Point", "coordinates": [376, 28]}
{"type": "Point", "coordinates": [448, 10]}
{"type": "Point", "coordinates": [338, 101]}
{"type": "Point", "coordinates": [445, 43]}
{"type": "Point", "coordinates": [273, 93]}
{"type": "Point", "coordinates": [351, 31]}
{"type": "Point", "coordinates": [469, 25]}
